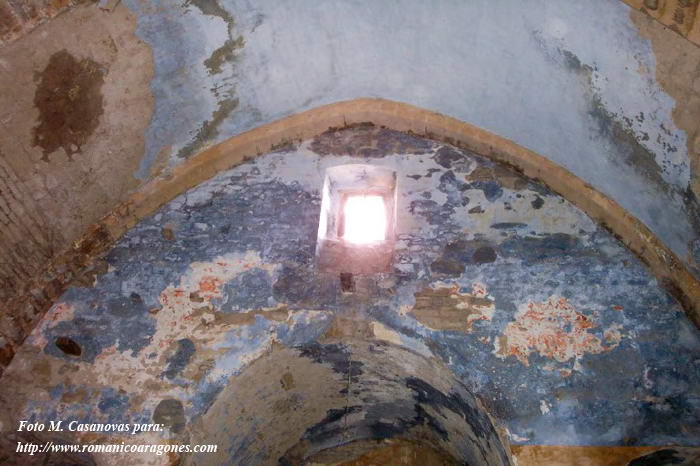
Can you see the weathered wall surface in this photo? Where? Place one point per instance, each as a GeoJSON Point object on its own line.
{"type": "Point", "coordinates": [594, 86]}
{"type": "Point", "coordinates": [74, 106]}
{"type": "Point", "coordinates": [558, 329]}
{"type": "Point", "coordinates": [573, 81]}
{"type": "Point", "coordinates": [611, 97]}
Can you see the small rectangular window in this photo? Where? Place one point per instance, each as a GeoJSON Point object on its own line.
{"type": "Point", "coordinates": [364, 219]}
{"type": "Point", "coordinates": [358, 220]}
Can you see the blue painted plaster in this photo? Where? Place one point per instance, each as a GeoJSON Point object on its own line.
{"type": "Point", "coordinates": [573, 81]}
{"type": "Point", "coordinates": [641, 391]}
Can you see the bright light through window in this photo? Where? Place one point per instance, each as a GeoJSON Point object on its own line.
{"type": "Point", "coordinates": [365, 219]}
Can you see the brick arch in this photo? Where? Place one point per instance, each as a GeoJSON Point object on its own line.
{"type": "Point", "coordinates": [77, 262]}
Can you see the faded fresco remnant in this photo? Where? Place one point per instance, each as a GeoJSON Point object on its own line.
{"type": "Point", "coordinates": [221, 282]}
{"type": "Point", "coordinates": [555, 330]}
{"type": "Point", "coordinates": [446, 308]}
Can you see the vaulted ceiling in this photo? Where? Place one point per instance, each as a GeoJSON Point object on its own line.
{"type": "Point", "coordinates": [111, 111]}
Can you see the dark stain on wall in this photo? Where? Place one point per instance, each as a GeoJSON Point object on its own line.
{"type": "Point", "coordinates": [427, 208]}
{"type": "Point", "coordinates": [458, 254]}
{"type": "Point", "coordinates": [537, 203]}
{"type": "Point", "coordinates": [70, 103]}
{"type": "Point", "coordinates": [484, 255]}
{"type": "Point", "coordinates": [95, 332]}
{"type": "Point", "coordinates": [287, 381]}
{"type": "Point", "coordinates": [299, 286]}
{"type": "Point", "coordinates": [448, 157]}
{"type": "Point", "coordinates": [68, 346]}
{"type": "Point", "coordinates": [509, 226]}
{"type": "Point", "coordinates": [537, 248]}
{"type": "Point", "coordinates": [184, 352]}
{"type": "Point", "coordinates": [170, 413]}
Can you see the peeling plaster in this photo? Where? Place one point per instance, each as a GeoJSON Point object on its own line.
{"type": "Point", "coordinates": [236, 282]}
{"type": "Point", "coordinates": [445, 308]}
{"type": "Point", "coordinates": [576, 79]}
{"type": "Point", "coordinates": [555, 330]}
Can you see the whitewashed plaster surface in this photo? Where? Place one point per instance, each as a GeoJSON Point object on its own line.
{"type": "Point", "coordinates": [553, 76]}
